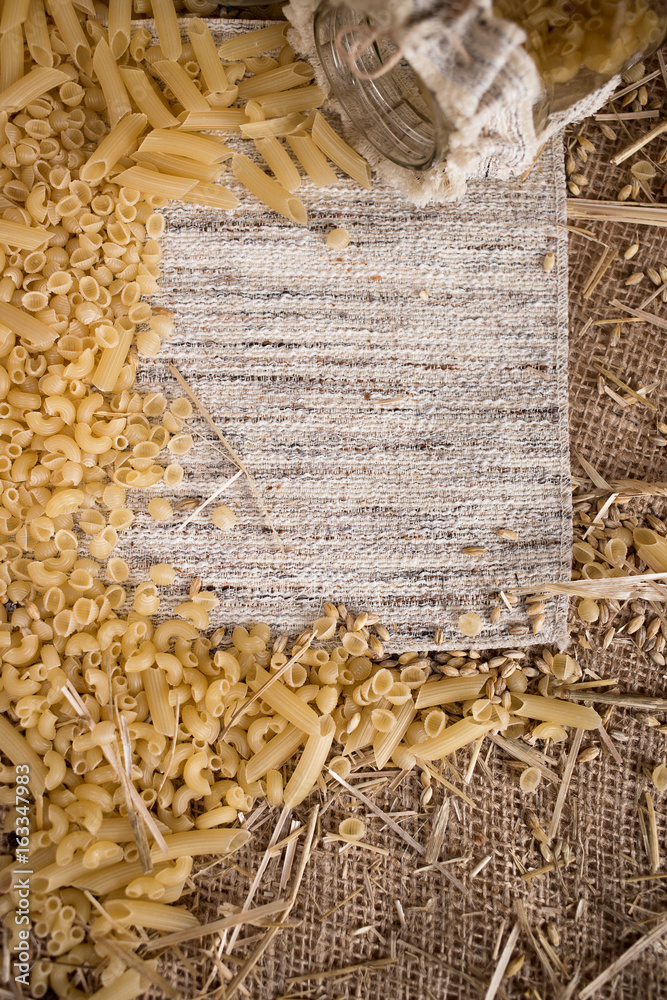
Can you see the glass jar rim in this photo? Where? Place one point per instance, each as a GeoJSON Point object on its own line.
{"type": "Point", "coordinates": [379, 107]}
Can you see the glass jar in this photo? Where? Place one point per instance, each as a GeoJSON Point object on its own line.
{"type": "Point", "coordinates": [576, 45]}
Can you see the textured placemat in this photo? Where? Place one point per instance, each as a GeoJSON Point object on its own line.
{"type": "Point", "coordinates": [395, 402]}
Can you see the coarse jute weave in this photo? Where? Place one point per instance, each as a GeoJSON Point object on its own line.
{"type": "Point", "coordinates": [444, 948]}
{"type": "Point", "coordinates": [395, 403]}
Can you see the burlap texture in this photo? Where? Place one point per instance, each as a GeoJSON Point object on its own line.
{"type": "Point", "coordinates": [445, 951]}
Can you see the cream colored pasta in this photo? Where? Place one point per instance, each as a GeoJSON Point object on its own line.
{"type": "Point", "coordinates": [312, 160]}
{"type": "Point", "coordinates": [119, 142]}
{"type": "Point", "coordinates": [276, 80]}
{"type": "Point", "coordinates": [267, 190]}
{"type": "Point", "coordinates": [37, 34]}
{"type": "Point", "coordinates": [384, 744]}
{"type": "Point", "coordinates": [149, 102]}
{"type": "Point", "coordinates": [286, 103]}
{"type": "Point", "coordinates": [338, 239]}
{"type": "Point", "coordinates": [529, 779]}
{"type": "Point", "coordinates": [449, 690]}
{"type": "Point", "coordinates": [563, 713]}
{"type": "Point", "coordinates": [352, 828]}
{"type": "Point", "coordinates": [224, 120]}
{"type": "Point", "coordinates": [452, 739]}
{"type": "Point", "coordinates": [310, 763]}
{"type": "Point", "coordinates": [70, 30]}
{"type": "Point", "coordinates": [272, 127]}
{"type": "Point", "coordinates": [181, 85]}
{"type": "Point", "coordinates": [211, 195]}
{"type": "Point", "coordinates": [253, 42]}
{"type": "Point", "coordinates": [111, 82]}
{"type": "Point", "coordinates": [31, 86]}
{"type": "Point", "coordinates": [275, 752]}
{"type": "Point", "coordinates": [207, 56]}
{"type": "Point", "coordinates": [146, 600]}
{"type": "Point", "coordinates": [336, 149]}
{"type": "Point", "coordinates": [168, 30]}
{"type": "Point", "coordinates": [162, 574]}
{"type": "Point", "coordinates": [120, 26]}
{"type": "Point", "coordinates": [279, 162]}
{"type": "Point", "coordinates": [224, 518]}
{"type": "Point", "coordinates": [152, 182]}
{"type": "Point", "coordinates": [173, 474]}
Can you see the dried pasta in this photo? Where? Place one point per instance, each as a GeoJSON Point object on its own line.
{"type": "Point", "coordinates": [148, 741]}
{"type": "Point", "coordinates": [336, 149]}
{"type": "Point", "coordinates": [267, 190]}
{"type": "Point", "coordinates": [310, 763]}
{"type": "Point", "coordinates": [146, 97]}
{"type": "Point", "coordinates": [252, 43]}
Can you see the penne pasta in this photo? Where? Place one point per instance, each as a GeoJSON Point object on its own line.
{"type": "Point", "coordinates": [562, 713]}
{"type": "Point", "coordinates": [154, 183]}
{"type": "Point", "coordinates": [274, 753]}
{"type": "Point", "coordinates": [206, 55]}
{"type": "Point", "coordinates": [268, 191]}
{"type": "Point", "coordinates": [111, 82]}
{"type": "Point", "coordinates": [272, 126]}
{"type": "Point", "coordinates": [16, 234]}
{"type": "Point", "coordinates": [211, 195]}
{"type": "Point", "coordinates": [225, 119]}
{"type": "Point", "coordinates": [453, 738]}
{"type": "Point", "coordinates": [312, 160]}
{"type": "Point", "coordinates": [120, 141]}
{"type": "Point", "coordinates": [145, 913]}
{"type": "Point", "coordinates": [283, 701]}
{"type": "Point", "coordinates": [13, 15]}
{"type": "Point", "coordinates": [201, 148]}
{"type": "Point", "coordinates": [200, 842]}
{"type": "Point", "coordinates": [37, 34]}
{"type": "Point", "coordinates": [179, 166]}
{"type": "Point", "coordinates": [120, 26]}
{"type": "Point", "coordinates": [29, 329]}
{"type": "Point", "coordinates": [71, 32]}
{"type": "Point", "coordinates": [222, 100]}
{"type": "Point", "coordinates": [168, 31]}
{"type": "Point", "coordinates": [34, 84]}
{"type": "Point", "coordinates": [251, 43]}
{"type": "Point", "coordinates": [147, 98]}
{"type": "Point", "coordinates": [181, 85]}
{"type": "Point", "coordinates": [127, 986]}
{"type": "Point", "coordinates": [449, 690]}
{"type": "Point", "coordinates": [337, 150]}
{"type": "Point", "coordinates": [310, 764]}
{"type": "Point", "coordinates": [362, 734]}
{"type": "Point", "coordinates": [280, 162]}
{"type": "Point", "coordinates": [302, 99]}
{"type": "Point", "coordinates": [11, 56]}
{"type": "Point", "coordinates": [384, 744]}
{"type": "Point", "coordinates": [111, 362]}
{"type": "Point", "coordinates": [276, 80]}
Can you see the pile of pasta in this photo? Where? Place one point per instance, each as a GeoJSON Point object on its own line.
{"type": "Point", "coordinates": [565, 38]}
{"type": "Point", "coordinates": [150, 743]}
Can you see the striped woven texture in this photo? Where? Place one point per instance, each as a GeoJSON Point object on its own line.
{"type": "Point", "coordinates": [395, 402]}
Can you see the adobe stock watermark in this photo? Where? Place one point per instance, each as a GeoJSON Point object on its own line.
{"type": "Point", "coordinates": [21, 950]}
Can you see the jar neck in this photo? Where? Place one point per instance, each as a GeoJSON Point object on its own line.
{"type": "Point", "coordinates": [379, 91]}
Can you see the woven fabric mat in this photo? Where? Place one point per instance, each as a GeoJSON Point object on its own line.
{"type": "Point", "coordinates": [445, 945]}
{"type": "Point", "coordinates": [385, 431]}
